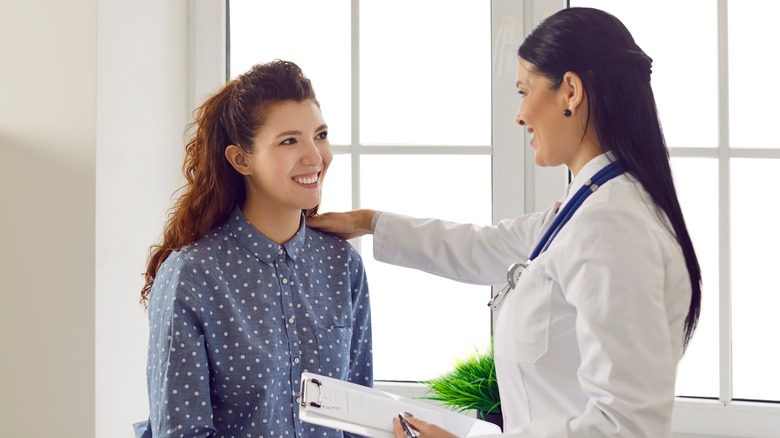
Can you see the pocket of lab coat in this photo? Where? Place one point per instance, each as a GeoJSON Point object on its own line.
{"type": "Point", "coordinates": [523, 322]}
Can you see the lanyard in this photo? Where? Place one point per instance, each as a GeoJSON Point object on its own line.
{"type": "Point", "coordinates": [612, 170]}
{"type": "Point", "coordinates": [513, 274]}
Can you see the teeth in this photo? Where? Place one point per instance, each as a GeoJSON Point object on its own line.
{"type": "Point", "coordinates": [307, 180]}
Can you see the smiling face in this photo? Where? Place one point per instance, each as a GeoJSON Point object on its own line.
{"type": "Point", "coordinates": [290, 156]}
{"type": "Point", "coordinates": [555, 138]}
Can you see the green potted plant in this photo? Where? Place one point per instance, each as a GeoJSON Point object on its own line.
{"type": "Point", "coordinates": [471, 384]}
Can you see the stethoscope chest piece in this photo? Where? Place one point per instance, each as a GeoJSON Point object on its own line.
{"type": "Point", "coordinates": [512, 277]}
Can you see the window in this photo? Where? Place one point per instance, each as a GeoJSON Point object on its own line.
{"type": "Point", "coordinates": [383, 85]}
{"type": "Point", "coordinates": [409, 112]}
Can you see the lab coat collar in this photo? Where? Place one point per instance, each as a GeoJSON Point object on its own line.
{"type": "Point", "coordinates": [588, 170]}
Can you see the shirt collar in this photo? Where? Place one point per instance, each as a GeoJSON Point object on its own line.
{"type": "Point", "coordinates": [265, 249]}
{"type": "Point", "coordinates": [588, 170]}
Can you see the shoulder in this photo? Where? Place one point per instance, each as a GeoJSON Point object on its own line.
{"type": "Point", "coordinates": [194, 261]}
{"type": "Point", "coordinates": [622, 218]}
{"type": "Point", "coordinates": [324, 244]}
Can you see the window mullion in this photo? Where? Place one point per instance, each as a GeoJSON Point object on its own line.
{"type": "Point", "coordinates": [355, 109]}
{"type": "Point", "coordinates": [724, 208]}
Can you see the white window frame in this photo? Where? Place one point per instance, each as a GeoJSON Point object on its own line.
{"type": "Point", "coordinates": [520, 187]}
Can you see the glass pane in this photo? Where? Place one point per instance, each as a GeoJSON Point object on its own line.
{"type": "Point", "coordinates": [752, 55]}
{"type": "Point", "coordinates": [425, 72]}
{"type": "Point", "coordinates": [755, 238]}
{"type": "Point", "coordinates": [684, 48]}
{"type": "Point", "coordinates": [317, 40]}
{"type": "Point", "coordinates": [696, 180]}
{"type": "Point", "coordinates": [337, 188]}
{"type": "Point", "coordinates": [418, 315]}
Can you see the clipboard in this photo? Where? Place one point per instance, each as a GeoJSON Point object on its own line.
{"type": "Point", "coordinates": [350, 407]}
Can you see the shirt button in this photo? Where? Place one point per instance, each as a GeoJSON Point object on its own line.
{"type": "Point", "coordinates": [298, 400]}
{"type": "Point", "coordinates": [284, 280]}
{"type": "Point", "coordinates": [296, 361]}
{"type": "Point", "coordinates": [291, 320]}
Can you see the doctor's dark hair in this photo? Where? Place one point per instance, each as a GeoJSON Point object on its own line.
{"type": "Point", "coordinates": [615, 74]}
{"type": "Point", "coordinates": [231, 116]}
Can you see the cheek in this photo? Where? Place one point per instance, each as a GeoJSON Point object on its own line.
{"type": "Point", "coordinates": [327, 156]}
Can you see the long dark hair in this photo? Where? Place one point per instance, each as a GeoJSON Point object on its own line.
{"type": "Point", "coordinates": [231, 116]}
{"type": "Point", "coordinates": [615, 75]}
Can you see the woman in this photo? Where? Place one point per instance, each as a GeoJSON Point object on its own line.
{"type": "Point", "coordinates": [242, 296]}
{"type": "Point", "coordinates": [588, 342]}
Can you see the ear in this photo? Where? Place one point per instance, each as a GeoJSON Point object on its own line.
{"type": "Point", "coordinates": [572, 91]}
{"type": "Point", "coordinates": [239, 159]}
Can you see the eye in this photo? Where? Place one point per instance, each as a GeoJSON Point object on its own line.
{"type": "Point", "coordinates": [289, 141]}
{"type": "Point", "coordinates": [521, 93]}
{"type": "Point", "coordinates": [322, 135]}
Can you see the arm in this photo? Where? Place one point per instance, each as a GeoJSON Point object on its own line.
{"type": "Point", "coordinates": [360, 358]}
{"type": "Point", "coordinates": [177, 371]}
{"type": "Point", "coordinates": [360, 355]}
{"type": "Point", "coordinates": [461, 252]}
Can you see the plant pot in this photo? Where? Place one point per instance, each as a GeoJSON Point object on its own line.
{"type": "Point", "coordinates": [496, 419]}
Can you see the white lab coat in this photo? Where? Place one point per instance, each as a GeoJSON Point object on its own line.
{"type": "Point", "coordinates": [588, 343]}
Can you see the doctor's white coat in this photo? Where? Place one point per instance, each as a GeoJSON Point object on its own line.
{"type": "Point", "coordinates": [588, 343]}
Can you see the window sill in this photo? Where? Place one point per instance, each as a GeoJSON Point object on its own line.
{"type": "Point", "coordinates": [692, 417]}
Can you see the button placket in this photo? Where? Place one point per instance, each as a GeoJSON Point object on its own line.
{"type": "Point", "coordinates": [284, 273]}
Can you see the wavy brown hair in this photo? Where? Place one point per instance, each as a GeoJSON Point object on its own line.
{"type": "Point", "coordinates": [231, 116]}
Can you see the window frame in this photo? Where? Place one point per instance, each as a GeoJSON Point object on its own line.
{"type": "Point", "coordinates": [532, 189]}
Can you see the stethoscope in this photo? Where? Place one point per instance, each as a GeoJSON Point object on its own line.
{"type": "Point", "coordinates": [612, 170]}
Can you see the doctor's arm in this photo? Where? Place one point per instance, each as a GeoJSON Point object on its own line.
{"type": "Point", "coordinates": [463, 252]}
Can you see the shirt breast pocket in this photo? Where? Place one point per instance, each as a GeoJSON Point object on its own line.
{"type": "Point", "coordinates": [333, 345]}
{"type": "Point", "coordinates": [523, 322]}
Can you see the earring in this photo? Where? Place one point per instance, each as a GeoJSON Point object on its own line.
{"type": "Point", "coordinates": [567, 112]}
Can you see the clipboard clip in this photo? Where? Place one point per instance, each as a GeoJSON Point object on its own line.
{"type": "Point", "coordinates": [305, 393]}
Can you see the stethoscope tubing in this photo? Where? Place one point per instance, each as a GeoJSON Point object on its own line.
{"type": "Point", "coordinates": [607, 173]}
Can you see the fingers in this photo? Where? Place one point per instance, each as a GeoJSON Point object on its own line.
{"type": "Point", "coordinates": [398, 429]}
{"type": "Point", "coordinates": [334, 223]}
{"type": "Point", "coordinates": [345, 225]}
{"type": "Point", "coordinates": [426, 430]}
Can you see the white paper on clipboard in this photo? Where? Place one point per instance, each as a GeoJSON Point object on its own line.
{"type": "Point", "coordinates": [367, 411]}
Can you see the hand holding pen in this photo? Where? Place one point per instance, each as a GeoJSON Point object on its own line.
{"type": "Point", "coordinates": [406, 426]}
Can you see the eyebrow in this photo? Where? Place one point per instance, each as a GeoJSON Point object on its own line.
{"type": "Point", "coordinates": [289, 133]}
{"type": "Point", "coordinates": [518, 84]}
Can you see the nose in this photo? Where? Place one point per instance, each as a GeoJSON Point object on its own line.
{"type": "Point", "coordinates": [519, 119]}
{"type": "Point", "coordinates": [313, 156]}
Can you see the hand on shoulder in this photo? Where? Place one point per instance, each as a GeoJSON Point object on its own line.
{"type": "Point", "coordinates": [347, 225]}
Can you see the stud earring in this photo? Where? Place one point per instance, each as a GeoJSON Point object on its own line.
{"type": "Point", "coordinates": [567, 112]}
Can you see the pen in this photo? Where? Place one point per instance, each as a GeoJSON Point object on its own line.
{"type": "Point", "coordinates": [408, 429]}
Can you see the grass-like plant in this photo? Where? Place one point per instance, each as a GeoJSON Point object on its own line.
{"type": "Point", "coordinates": [470, 385]}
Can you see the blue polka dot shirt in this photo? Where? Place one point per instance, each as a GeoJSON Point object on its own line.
{"type": "Point", "coordinates": [235, 318]}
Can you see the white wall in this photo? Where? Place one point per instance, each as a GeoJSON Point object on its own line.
{"type": "Point", "coordinates": [142, 112]}
{"type": "Point", "coordinates": [47, 229]}
{"type": "Point", "coordinates": [92, 110]}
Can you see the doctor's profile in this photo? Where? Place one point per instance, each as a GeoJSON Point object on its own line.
{"type": "Point", "coordinates": [605, 285]}
{"type": "Point", "coordinates": [242, 296]}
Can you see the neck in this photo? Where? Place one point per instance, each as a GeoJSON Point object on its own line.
{"type": "Point", "coordinates": [589, 150]}
{"type": "Point", "coordinates": [279, 226]}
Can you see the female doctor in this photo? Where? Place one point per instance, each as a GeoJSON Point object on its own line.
{"type": "Point", "coordinates": [587, 343]}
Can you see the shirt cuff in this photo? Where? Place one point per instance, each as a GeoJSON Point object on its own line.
{"type": "Point", "coordinates": [374, 220]}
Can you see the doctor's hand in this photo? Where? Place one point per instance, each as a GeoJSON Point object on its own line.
{"type": "Point", "coordinates": [347, 225]}
{"type": "Point", "coordinates": [424, 430]}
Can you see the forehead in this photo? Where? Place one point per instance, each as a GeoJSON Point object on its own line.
{"type": "Point", "coordinates": [526, 73]}
{"type": "Point", "coordinates": [290, 111]}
